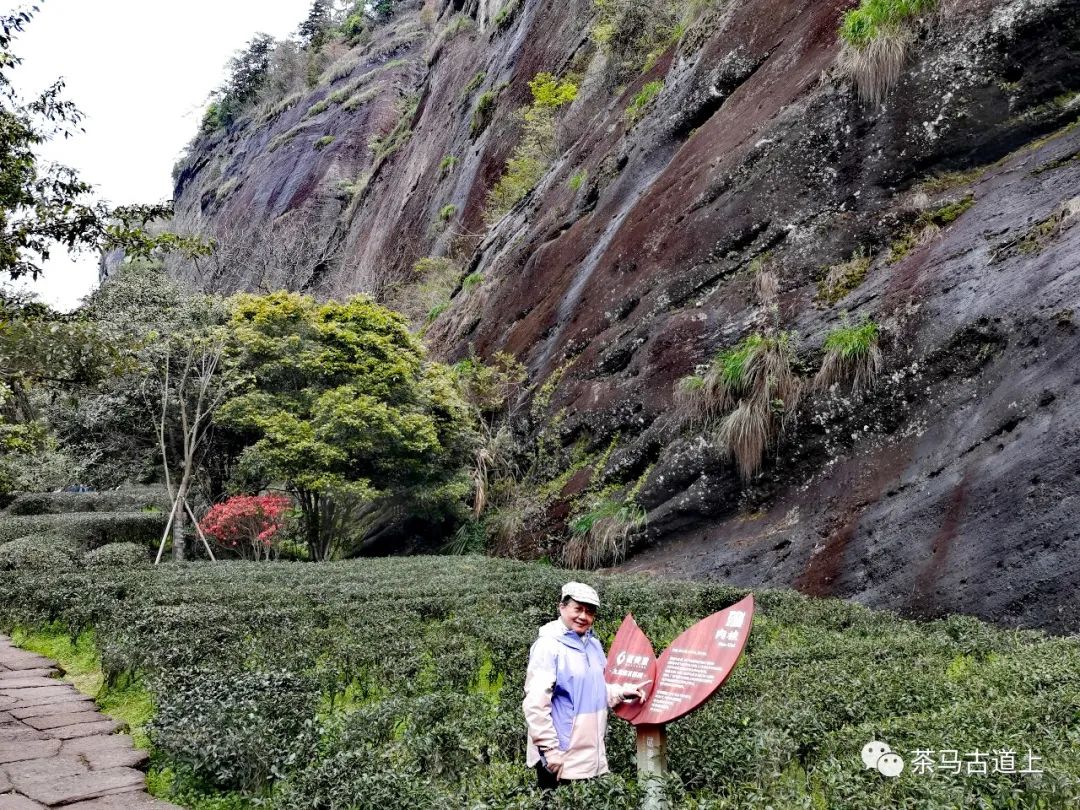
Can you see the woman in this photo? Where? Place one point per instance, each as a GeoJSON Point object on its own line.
{"type": "Point", "coordinates": [566, 697]}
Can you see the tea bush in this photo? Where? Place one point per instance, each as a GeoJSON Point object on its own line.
{"type": "Point", "coordinates": [88, 529]}
{"type": "Point", "coordinates": [235, 730]}
{"type": "Point", "coordinates": [38, 553]}
{"type": "Point", "coordinates": [137, 499]}
{"type": "Point", "coordinates": [122, 555]}
{"type": "Point", "coordinates": [397, 683]}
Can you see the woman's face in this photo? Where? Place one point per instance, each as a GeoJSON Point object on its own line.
{"type": "Point", "coordinates": [576, 616]}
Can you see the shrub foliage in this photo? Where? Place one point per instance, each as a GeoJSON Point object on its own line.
{"type": "Point", "coordinates": [341, 404]}
{"type": "Point", "coordinates": [634, 32]}
{"type": "Point", "coordinates": [397, 683]}
{"type": "Point", "coordinates": [247, 524]}
{"type": "Point", "coordinates": [535, 152]}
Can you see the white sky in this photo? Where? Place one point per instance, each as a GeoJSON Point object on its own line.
{"type": "Point", "coordinates": [140, 71]}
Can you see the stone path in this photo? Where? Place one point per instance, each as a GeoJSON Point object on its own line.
{"type": "Point", "coordinates": [56, 749]}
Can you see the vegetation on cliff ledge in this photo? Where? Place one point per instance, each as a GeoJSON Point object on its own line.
{"type": "Point", "coordinates": [534, 154]}
{"type": "Point", "coordinates": [875, 38]}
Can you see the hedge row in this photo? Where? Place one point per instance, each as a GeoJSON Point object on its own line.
{"type": "Point", "coordinates": [56, 553]}
{"type": "Point", "coordinates": [88, 529]}
{"type": "Point", "coordinates": [397, 683]}
{"type": "Point", "coordinates": [135, 499]}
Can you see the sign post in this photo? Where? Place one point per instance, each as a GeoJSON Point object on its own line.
{"type": "Point", "coordinates": [652, 764]}
{"type": "Point", "coordinates": [689, 671]}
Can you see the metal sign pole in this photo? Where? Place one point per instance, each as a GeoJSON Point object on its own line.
{"type": "Point", "coordinates": [652, 764]}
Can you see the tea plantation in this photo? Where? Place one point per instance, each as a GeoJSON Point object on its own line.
{"type": "Point", "coordinates": [396, 683]}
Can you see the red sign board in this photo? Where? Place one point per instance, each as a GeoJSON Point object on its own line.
{"type": "Point", "coordinates": [630, 661]}
{"type": "Point", "coordinates": [689, 671]}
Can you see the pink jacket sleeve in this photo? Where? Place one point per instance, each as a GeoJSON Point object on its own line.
{"type": "Point", "coordinates": [539, 684]}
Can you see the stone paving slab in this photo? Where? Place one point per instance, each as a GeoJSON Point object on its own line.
{"type": "Point", "coordinates": [27, 681]}
{"type": "Point", "coordinates": [36, 769]}
{"type": "Point", "coordinates": [18, 751]}
{"type": "Point", "coordinates": [66, 719]}
{"type": "Point", "coordinates": [111, 751]}
{"type": "Point", "coordinates": [14, 658]}
{"type": "Point", "coordinates": [84, 729]}
{"type": "Point", "coordinates": [45, 700]}
{"type": "Point", "coordinates": [126, 801]}
{"type": "Point", "coordinates": [84, 705]}
{"type": "Point", "coordinates": [83, 786]}
{"type": "Point", "coordinates": [25, 695]}
{"type": "Point", "coordinates": [13, 801]}
{"type": "Point", "coordinates": [15, 732]}
{"type": "Point", "coordinates": [57, 750]}
{"type": "Point", "coordinates": [11, 674]}
{"type": "Point", "coordinates": [17, 659]}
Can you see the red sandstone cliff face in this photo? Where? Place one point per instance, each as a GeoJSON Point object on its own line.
{"type": "Point", "coordinates": [950, 486]}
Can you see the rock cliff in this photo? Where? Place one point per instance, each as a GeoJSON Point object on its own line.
{"type": "Point", "coordinates": [944, 209]}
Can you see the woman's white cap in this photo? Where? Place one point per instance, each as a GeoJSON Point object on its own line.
{"type": "Point", "coordinates": [580, 592]}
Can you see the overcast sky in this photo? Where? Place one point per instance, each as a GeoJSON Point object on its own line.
{"type": "Point", "coordinates": [140, 71]}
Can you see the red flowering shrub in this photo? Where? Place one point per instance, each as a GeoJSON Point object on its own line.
{"type": "Point", "coordinates": [247, 524]}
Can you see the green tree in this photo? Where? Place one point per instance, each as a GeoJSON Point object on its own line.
{"type": "Point", "coordinates": [538, 147]}
{"type": "Point", "coordinates": [315, 27]}
{"type": "Point", "coordinates": [248, 71]}
{"type": "Point", "coordinates": [382, 9]}
{"type": "Point", "coordinates": [342, 406]}
{"type": "Point", "coordinates": [174, 380]}
{"type": "Point", "coordinates": [43, 354]}
{"type": "Point", "coordinates": [39, 205]}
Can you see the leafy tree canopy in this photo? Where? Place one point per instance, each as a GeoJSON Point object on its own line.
{"type": "Point", "coordinates": [341, 398]}
{"type": "Point", "coordinates": [340, 394]}
{"type": "Point", "coordinates": [248, 70]}
{"type": "Point", "coordinates": [315, 27]}
{"type": "Point", "coordinates": [41, 353]}
{"type": "Point", "coordinates": [153, 325]}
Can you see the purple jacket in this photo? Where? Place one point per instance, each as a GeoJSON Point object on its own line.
{"type": "Point", "coordinates": [567, 700]}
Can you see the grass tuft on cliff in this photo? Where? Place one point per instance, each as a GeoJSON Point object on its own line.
{"type": "Point", "coordinates": [748, 394]}
{"type": "Point", "coordinates": [851, 354]}
{"type": "Point", "coordinates": [875, 38]}
{"type": "Point", "coordinates": [842, 279]}
{"type": "Point", "coordinates": [599, 535]}
{"type": "Point", "coordinates": [642, 101]}
{"type": "Point", "coordinates": [874, 19]}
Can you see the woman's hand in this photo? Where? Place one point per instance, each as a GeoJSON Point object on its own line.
{"type": "Point", "coordinates": [636, 691]}
{"type": "Point", "coordinates": [553, 760]}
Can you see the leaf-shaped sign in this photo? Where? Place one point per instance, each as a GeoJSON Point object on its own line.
{"type": "Point", "coordinates": [695, 664]}
{"type": "Point", "coordinates": [630, 661]}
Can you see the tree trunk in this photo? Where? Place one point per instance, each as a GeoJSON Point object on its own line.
{"type": "Point", "coordinates": [309, 506]}
{"type": "Point", "coordinates": [179, 528]}
{"type": "Point", "coordinates": [327, 525]}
